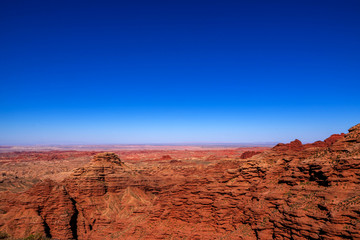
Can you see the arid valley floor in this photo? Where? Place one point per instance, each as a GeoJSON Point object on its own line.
{"type": "Point", "coordinates": [290, 191]}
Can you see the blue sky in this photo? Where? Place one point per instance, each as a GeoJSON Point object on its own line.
{"type": "Point", "coordinates": [103, 72]}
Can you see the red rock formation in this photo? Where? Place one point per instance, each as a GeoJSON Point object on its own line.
{"type": "Point", "coordinates": [295, 145]}
{"type": "Point", "coordinates": [333, 138]}
{"type": "Point", "coordinates": [46, 208]}
{"type": "Point", "coordinates": [248, 154]}
{"type": "Point", "coordinates": [327, 142]}
{"type": "Point", "coordinates": [166, 157]}
{"type": "Point", "coordinates": [292, 191]}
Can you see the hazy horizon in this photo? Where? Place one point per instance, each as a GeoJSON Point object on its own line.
{"type": "Point", "coordinates": [152, 144]}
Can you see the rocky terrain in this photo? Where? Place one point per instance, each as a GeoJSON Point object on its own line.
{"type": "Point", "coordinates": [292, 191]}
{"type": "Point", "coordinates": [21, 169]}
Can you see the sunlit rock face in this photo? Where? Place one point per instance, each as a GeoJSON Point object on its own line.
{"type": "Point", "coordinates": [45, 208]}
{"type": "Point", "coordinates": [293, 191]}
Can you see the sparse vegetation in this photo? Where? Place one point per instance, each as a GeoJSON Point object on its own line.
{"type": "Point", "coordinates": [35, 236]}
{"type": "Point", "coordinates": [4, 235]}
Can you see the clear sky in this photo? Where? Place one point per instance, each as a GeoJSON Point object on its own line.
{"type": "Point", "coordinates": [102, 72]}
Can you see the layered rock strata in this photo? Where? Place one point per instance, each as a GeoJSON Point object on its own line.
{"type": "Point", "coordinates": [293, 191]}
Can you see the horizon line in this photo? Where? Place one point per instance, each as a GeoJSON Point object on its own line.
{"type": "Point", "coordinates": [142, 144]}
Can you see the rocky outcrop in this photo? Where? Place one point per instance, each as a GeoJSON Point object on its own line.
{"type": "Point", "coordinates": [46, 208]}
{"type": "Point", "coordinates": [166, 157]}
{"type": "Point", "coordinates": [327, 142]}
{"type": "Point", "coordinates": [293, 191]}
{"type": "Point", "coordinates": [306, 194]}
{"type": "Point", "coordinates": [354, 134]}
{"type": "Point", "coordinates": [108, 196]}
{"type": "Point", "coordinates": [295, 145]}
{"type": "Point", "coordinates": [248, 154]}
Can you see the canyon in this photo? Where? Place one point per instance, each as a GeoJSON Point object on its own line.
{"type": "Point", "coordinates": [289, 191]}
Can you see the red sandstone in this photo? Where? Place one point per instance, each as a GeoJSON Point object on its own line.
{"type": "Point", "coordinates": [293, 191]}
